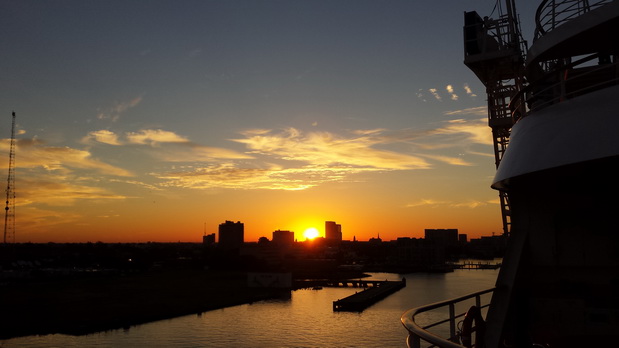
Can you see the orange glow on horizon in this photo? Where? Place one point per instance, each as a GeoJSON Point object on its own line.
{"type": "Point", "coordinates": [186, 217]}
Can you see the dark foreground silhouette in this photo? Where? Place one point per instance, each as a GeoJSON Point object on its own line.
{"type": "Point", "coordinates": [86, 305]}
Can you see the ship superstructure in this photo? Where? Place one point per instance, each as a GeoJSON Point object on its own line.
{"type": "Point", "coordinates": [556, 141]}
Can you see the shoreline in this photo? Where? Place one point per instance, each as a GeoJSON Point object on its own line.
{"type": "Point", "coordinates": [90, 305]}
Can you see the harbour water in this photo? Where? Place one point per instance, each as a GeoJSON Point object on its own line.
{"type": "Point", "coordinates": [306, 319]}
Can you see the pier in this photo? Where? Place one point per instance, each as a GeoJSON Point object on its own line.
{"type": "Point", "coordinates": [476, 265]}
{"type": "Point", "coordinates": [361, 300]}
{"type": "Point", "coordinates": [337, 283]}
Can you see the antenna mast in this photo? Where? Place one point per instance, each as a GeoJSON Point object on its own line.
{"type": "Point", "coordinates": [9, 210]}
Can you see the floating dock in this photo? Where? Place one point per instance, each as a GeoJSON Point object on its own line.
{"type": "Point", "coordinates": [361, 300]}
{"type": "Point", "coordinates": [476, 265]}
{"type": "Point", "coordinates": [336, 283]}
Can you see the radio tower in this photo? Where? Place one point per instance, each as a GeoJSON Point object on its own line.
{"type": "Point", "coordinates": [9, 210]}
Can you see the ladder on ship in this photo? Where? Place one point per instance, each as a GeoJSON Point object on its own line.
{"type": "Point", "coordinates": [494, 51]}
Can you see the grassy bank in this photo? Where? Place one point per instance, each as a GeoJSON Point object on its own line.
{"type": "Point", "coordinates": [87, 305]}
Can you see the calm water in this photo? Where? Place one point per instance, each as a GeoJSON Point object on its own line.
{"type": "Point", "coordinates": [305, 320]}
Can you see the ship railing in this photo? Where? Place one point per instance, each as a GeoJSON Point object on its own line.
{"type": "Point", "coordinates": [418, 333]}
{"type": "Point", "coordinates": [552, 13]}
{"type": "Point", "coordinates": [563, 83]}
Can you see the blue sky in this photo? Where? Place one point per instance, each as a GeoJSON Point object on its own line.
{"type": "Point", "coordinates": [124, 103]}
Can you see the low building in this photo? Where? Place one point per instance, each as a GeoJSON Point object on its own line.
{"type": "Point", "coordinates": [283, 238]}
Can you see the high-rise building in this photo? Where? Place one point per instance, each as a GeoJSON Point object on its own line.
{"type": "Point", "coordinates": [231, 235]}
{"type": "Point", "coordinates": [283, 237]}
{"type": "Point", "coordinates": [333, 231]}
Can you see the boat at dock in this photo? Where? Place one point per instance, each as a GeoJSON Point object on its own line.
{"type": "Point", "coordinates": [552, 109]}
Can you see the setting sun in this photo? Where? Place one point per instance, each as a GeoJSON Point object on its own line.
{"type": "Point", "coordinates": [311, 233]}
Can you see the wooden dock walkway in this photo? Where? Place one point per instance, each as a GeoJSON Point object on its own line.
{"type": "Point", "coordinates": [337, 283]}
{"type": "Point", "coordinates": [476, 265]}
{"type": "Point", "coordinates": [361, 300]}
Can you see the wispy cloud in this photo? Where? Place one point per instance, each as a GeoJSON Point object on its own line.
{"type": "Point", "coordinates": [154, 137]}
{"type": "Point", "coordinates": [58, 176]}
{"type": "Point", "coordinates": [324, 148]}
{"type": "Point", "coordinates": [33, 153]}
{"type": "Point", "coordinates": [435, 94]}
{"type": "Point", "coordinates": [432, 203]}
{"type": "Point", "coordinates": [456, 161]}
{"type": "Point", "coordinates": [475, 131]}
{"type": "Point", "coordinates": [102, 136]}
{"type": "Point", "coordinates": [114, 112]}
{"type": "Point", "coordinates": [308, 159]}
{"type": "Point", "coordinates": [468, 90]}
{"type": "Point", "coordinates": [421, 95]}
{"type": "Point", "coordinates": [274, 159]}
{"type": "Point", "coordinates": [483, 154]}
{"type": "Point", "coordinates": [472, 204]}
{"type": "Point", "coordinates": [233, 176]}
{"type": "Point", "coordinates": [426, 202]}
{"type": "Point", "coordinates": [147, 186]}
{"type": "Point", "coordinates": [57, 190]}
{"type": "Point", "coordinates": [170, 147]}
{"type": "Point", "coordinates": [450, 90]}
{"type": "Point", "coordinates": [190, 152]}
{"type": "Point", "coordinates": [476, 111]}
{"type": "Point", "coordinates": [37, 218]}
{"type": "Point", "coordinates": [47, 200]}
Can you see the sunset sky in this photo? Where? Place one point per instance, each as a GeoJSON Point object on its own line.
{"type": "Point", "coordinates": [158, 120]}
